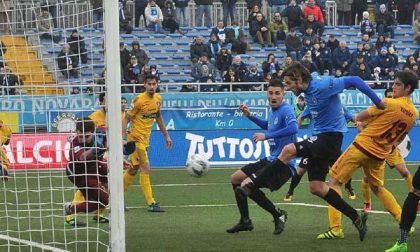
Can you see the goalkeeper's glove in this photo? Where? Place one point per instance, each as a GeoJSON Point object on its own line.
{"type": "Point", "coordinates": [129, 147]}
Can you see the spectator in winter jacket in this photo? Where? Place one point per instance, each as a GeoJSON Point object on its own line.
{"type": "Point", "coordinates": [239, 66]}
{"type": "Point", "coordinates": [317, 27]}
{"type": "Point", "coordinates": [405, 11]}
{"type": "Point", "coordinates": [154, 17]}
{"type": "Point", "coordinates": [221, 33]}
{"type": "Point", "coordinates": [140, 54]}
{"type": "Point", "coordinates": [326, 56]}
{"type": "Point", "coordinates": [198, 70]}
{"type": "Point", "coordinates": [357, 52]}
{"type": "Point", "coordinates": [271, 65]}
{"type": "Point", "coordinates": [131, 73]}
{"type": "Point", "coordinates": [125, 18]}
{"type": "Point", "coordinates": [198, 48]}
{"type": "Point", "coordinates": [251, 3]}
{"type": "Point", "coordinates": [214, 45]}
{"type": "Point", "coordinates": [364, 72]}
{"type": "Point", "coordinates": [366, 26]}
{"type": "Point", "coordinates": [253, 75]}
{"type": "Point", "coordinates": [278, 29]}
{"type": "Point", "coordinates": [139, 8]}
{"type": "Point", "coordinates": [232, 76]}
{"type": "Point", "coordinates": [223, 60]}
{"type": "Point", "coordinates": [312, 8]}
{"type": "Point", "coordinates": [293, 45]}
{"type": "Point", "coordinates": [67, 62]}
{"type": "Point", "coordinates": [385, 62]}
{"type": "Point", "coordinates": [182, 12]}
{"type": "Point", "coordinates": [170, 21]}
{"type": "Point", "coordinates": [229, 10]}
{"type": "Point", "coordinates": [385, 21]}
{"type": "Point", "coordinates": [308, 63]}
{"type": "Point", "coordinates": [309, 35]}
{"type": "Point", "coordinates": [203, 9]}
{"type": "Point", "coordinates": [332, 42]}
{"type": "Point", "coordinates": [294, 14]}
{"type": "Point", "coordinates": [77, 45]}
{"type": "Point", "coordinates": [9, 81]}
{"type": "Point", "coordinates": [378, 4]}
{"type": "Point", "coordinates": [260, 31]}
{"type": "Point", "coordinates": [236, 36]}
{"type": "Point", "coordinates": [357, 8]}
{"type": "Point", "coordinates": [124, 56]}
{"type": "Point", "coordinates": [342, 56]}
{"type": "Point", "coordinates": [253, 14]}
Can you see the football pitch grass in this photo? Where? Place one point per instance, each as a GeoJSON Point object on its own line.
{"type": "Point", "coordinates": [198, 211]}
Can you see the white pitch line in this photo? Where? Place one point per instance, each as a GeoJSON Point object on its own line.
{"type": "Point", "coordinates": [231, 205]}
{"type": "Point", "coordinates": [31, 243]}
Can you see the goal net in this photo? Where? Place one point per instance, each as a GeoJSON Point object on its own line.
{"type": "Point", "coordinates": [52, 72]}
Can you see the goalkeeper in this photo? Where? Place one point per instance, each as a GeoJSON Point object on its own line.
{"type": "Point", "coordinates": [5, 134]}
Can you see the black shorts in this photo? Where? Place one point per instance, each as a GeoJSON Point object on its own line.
{"type": "Point", "coordinates": [275, 182]}
{"type": "Point", "coordinates": [416, 179]}
{"type": "Point", "coordinates": [321, 151]}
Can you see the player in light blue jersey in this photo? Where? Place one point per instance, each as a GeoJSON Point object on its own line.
{"type": "Point", "coordinates": [281, 129]}
{"type": "Point", "coordinates": [303, 165]}
{"type": "Point", "coordinates": [323, 102]}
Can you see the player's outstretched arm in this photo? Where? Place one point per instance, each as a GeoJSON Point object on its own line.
{"type": "Point", "coordinates": [357, 82]}
{"type": "Point", "coordinates": [261, 123]}
{"type": "Point", "coordinates": [290, 129]}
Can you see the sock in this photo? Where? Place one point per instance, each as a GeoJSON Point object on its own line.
{"type": "Point", "coordinates": [334, 199]}
{"type": "Point", "coordinates": [147, 188]}
{"type": "Point", "coordinates": [128, 180]}
{"type": "Point", "coordinates": [100, 212]}
{"type": "Point", "coordinates": [261, 199]}
{"type": "Point", "coordinates": [390, 203]}
{"type": "Point", "coordinates": [335, 216]}
{"type": "Point", "coordinates": [294, 183]}
{"type": "Point", "coordinates": [242, 204]}
{"type": "Point", "coordinates": [409, 181]}
{"type": "Point", "coordinates": [366, 192]}
{"type": "Point", "coordinates": [409, 211]}
{"type": "Point", "coordinates": [261, 176]}
{"type": "Point", "coordinates": [77, 198]}
{"type": "Point", "coordinates": [403, 236]}
{"type": "Point", "coordinates": [348, 185]}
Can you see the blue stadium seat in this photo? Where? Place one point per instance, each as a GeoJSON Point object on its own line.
{"type": "Point", "coordinates": [127, 36]}
{"type": "Point", "coordinates": [154, 50]}
{"type": "Point", "coordinates": [178, 57]}
{"type": "Point", "coordinates": [165, 43]}
{"type": "Point", "coordinates": [142, 35]}
{"type": "Point", "coordinates": [175, 35]}
{"type": "Point", "coordinates": [202, 28]}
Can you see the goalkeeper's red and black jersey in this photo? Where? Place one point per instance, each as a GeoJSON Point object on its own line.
{"type": "Point", "coordinates": [82, 167]}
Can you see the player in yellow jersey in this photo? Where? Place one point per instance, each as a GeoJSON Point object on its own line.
{"type": "Point", "coordinates": [370, 148]}
{"type": "Point", "coordinates": [5, 135]}
{"type": "Point", "coordinates": [99, 118]}
{"type": "Point", "coordinates": [393, 160]}
{"type": "Point", "coordinates": [145, 109]}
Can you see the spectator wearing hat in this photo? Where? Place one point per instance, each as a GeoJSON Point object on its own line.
{"type": "Point", "coordinates": [294, 15]}
{"type": "Point", "coordinates": [77, 45]}
{"type": "Point", "coordinates": [125, 18]}
{"type": "Point", "coordinates": [385, 21]}
{"type": "Point", "coordinates": [293, 45]}
{"type": "Point", "coordinates": [223, 60]}
{"type": "Point", "coordinates": [131, 74]}
{"type": "Point", "coordinates": [378, 3]}
{"type": "Point", "coordinates": [385, 62]}
{"type": "Point", "coordinates": [140, 54]}
{"type": "Point", "coordinates": [154, 17]}
{"type": "Point", "coordinates": [342, 56]}
{"type": "Point", "coordinates": [366, 25]}
{"type": "Point", "coordinates": [332, 42]}
{"type": "Point", "coordinates": [326, 56]}
{"type": "Point", "coordinates": [253, 75]}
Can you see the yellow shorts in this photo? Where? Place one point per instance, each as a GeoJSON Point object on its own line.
{"type": "Point", "coordinates": [394, 158]}
{"type": "Point", "coordinates": [351, 160]}
{"type": "Point", "coordinates": [139, 156]}
{"type": "Point", "coordinates": [4, 160]}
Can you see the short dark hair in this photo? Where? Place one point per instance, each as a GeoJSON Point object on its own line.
{"type": "Point", "coordinates": [388, 90]}
{"type": "Point", "coordinates": [85, 125]}
{"type": "Point", "coordinates": [296, 70]}
{"type": "Point", "coordinates": [300, 97]}
{"type": "Point", "coordinates": [150, 76]}
{"type": "Point", "coordinates": [408, 78]}
{"type": "Point", "coordinates": [275, 83]}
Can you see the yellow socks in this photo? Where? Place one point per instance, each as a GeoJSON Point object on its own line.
{"type": "Point", "coordinates": [128, 180]}
{"type": "Point", "coordinates": [390, 203]}
{"type": "Point", "coordinates": [335, 216]}
{"type": "Point", "coordinates": [146, 187]}
{"type": "Point", "coordinates": [366, 191]}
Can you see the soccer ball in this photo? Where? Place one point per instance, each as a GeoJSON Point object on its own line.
{"type": "Point", "coordinates": [405, 147]}
{"type": "Point", "coordinates": [197, 165]}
